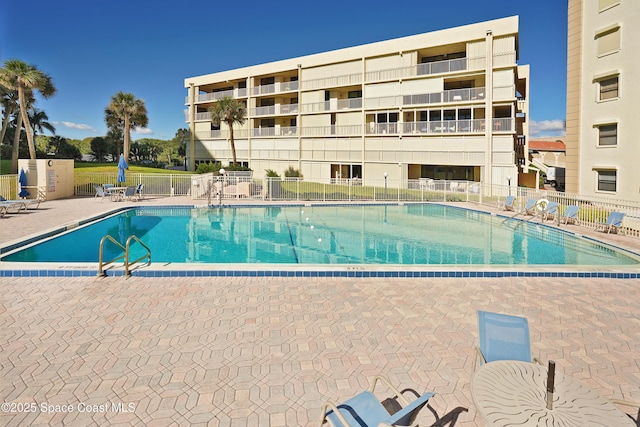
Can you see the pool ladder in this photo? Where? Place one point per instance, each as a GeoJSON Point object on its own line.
{"type": "Point", "coordinates": [125, 256]}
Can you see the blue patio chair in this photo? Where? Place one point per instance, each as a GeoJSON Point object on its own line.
{"type": "Point", "coordinates": [502, 337]}
{"type": "Point", "coordinates": [508, 203]}
{"type": "Point", "coordinates": [570, 215]}
{"type": "Point", "coordinates": [100, 192]}
{"type": "Point", "coordinates": [550, 211]}
{"type": "Point", "coordinates": [130, 192]}
{"type": "Point", "coordinates": [613, 223]}
{"type": "Point", "coordinates": [138, 193]}
{"type": "Point", "coordinates": [530, 207]}
{"type": "Point", "coordinates": [365, 410]}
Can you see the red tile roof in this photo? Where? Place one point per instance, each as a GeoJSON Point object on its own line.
{"type": "Point", "coordinates": [547, 146]}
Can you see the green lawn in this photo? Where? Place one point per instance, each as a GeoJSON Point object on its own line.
{"type": "Point", "coordinates": [5, 168]}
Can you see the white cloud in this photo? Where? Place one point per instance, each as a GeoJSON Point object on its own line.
{"type": "Point", "coordinates": [550, 127]}
{"type": "Point", "coordinates": [143, 131]}
{"type": "Point", "coordinates": [79, 126]}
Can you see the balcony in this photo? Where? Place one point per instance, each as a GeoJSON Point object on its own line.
{"type": "Point", "coordinates": [382, 128]}
{"type": "Point", "coordinates": [337, 81]}
{"type": "Point", "coordinates": [332, 105]}
{"type": "Point", "coordinates": [275, 88]}
{"type": "Point", "coordinates": [276, 131]}
{"type": "Point", "coordinates": [444, 126]}
{"type": "Point", "coordinates": [274, 110]}
{"type": "Point", "coordinates": [334, 130]}
{"type": "Point", "coordinates": [214, 96]}
{"type": "Point", "coordinates": [439, 67]}
{"type": "Point", "coordinates": [454, 95]}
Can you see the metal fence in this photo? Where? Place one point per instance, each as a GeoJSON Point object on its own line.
{"type": "Point", "coordinates": [9, 186]}
{"type": "Point", "coordinates": [154, 184]}
{"type": "Point", "coordinates": [215, 189]}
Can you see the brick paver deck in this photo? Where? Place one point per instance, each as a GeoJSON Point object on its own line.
{"type": "Point", "coordinates": [241, 351]}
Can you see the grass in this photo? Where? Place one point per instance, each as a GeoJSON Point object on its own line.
{"type": "Point", "coordinates": [5, 168]}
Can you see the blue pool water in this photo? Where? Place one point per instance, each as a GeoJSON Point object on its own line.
{"type": "Point", "coordinates": [418, 234]}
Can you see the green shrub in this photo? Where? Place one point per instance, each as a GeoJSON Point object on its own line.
{"type": "Point", "coordinates": [208, 167]}
{"type": "Point", "coordinates": [290, 172]}
{"type": "Point", "coordinates": [271, 173]}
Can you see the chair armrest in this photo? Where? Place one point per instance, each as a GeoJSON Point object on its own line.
{"type": "Point", "coordinates": [328, 407]}
{"type": "Point", "coordinates": [407, 411]}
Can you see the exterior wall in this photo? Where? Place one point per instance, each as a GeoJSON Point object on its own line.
{"type": "Point", "coordinates": [418, 100]}
{"type": "Point", "coordinates": [48, 179]}
{"type": "Point", "coordinates": [586, 111]}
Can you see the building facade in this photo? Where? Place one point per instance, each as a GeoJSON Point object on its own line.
{"type": "Point", "coordinates": [603, 154]}
{"type": "Point", "coordinates": [450, 104]}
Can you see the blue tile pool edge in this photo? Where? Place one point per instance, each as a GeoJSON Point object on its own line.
{"type": "Point", "coordinates": [71, 272]}
{"type": "Point", "coordinates": [319, 273]}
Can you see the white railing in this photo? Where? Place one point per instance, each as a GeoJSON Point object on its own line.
{"type": "Point", "coordinates": [444, 126]}
{"type": "Point", "coordinates": [592, 210]}
{"type": "Point", "coordinates": [344, 80]}
{"type": "Point", "coordinates": [350, 103]}
{"type": "Point", "coordinates": [503, 125]}
{"type": "Point", "coordinates": [275, 88]}
{"type": "Point", "coordinates": [315, 107]}
{"type": "Point", "coordinates": [9, 186]}
{"type": "Point", "coordinates": [276, 131]}
{"type": "Point", "coordinates": [274, 110]}
{"type": "Point", "coordinates": [336, 130]}
{"type": "Point", "coordinates": [448, 66]}
{"type": "Point", "coordinates": [382, 128]}
{"type": "Point", "coordinates": [154, 184]}
{"type": "Point", "coordinates": [453, 95]}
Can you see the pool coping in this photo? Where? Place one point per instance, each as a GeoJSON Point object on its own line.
{"type": "Point", "coordinates": [164, 269]}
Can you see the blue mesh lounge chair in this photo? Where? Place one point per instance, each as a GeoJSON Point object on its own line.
{"type": "Point", "coordinates": [508, 203]}
{"type": "Point", "coordinates": [138, 193]}
{"type": "Point", "coordinates": [365, 410]}
{"type": "Point", "coordinates": [530, 207]}
{"type": "Point", "coordinates": [502, 337]}
{"type": "Point", "coordinates": [570, 215]}
{"type": "Point", "coordinates": [99, 192]}
{"type": "Point", "coordinates": [549, 212]}
{"type": "Point", "coordinates": [130, 192]}
{"type": "Point", "coordinates": [20, 204]}
{"type": "Point", "coordinates": [614, 223]}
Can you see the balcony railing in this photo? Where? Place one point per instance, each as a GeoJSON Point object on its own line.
{"type": "Point", "coordinates": [346, 130]}
{"type": "Point", "coordinates": [444, 126]}
{"type": "Point", "coordinates": [214, 96]}
{"type": "Point", "coordinates": [334, 104]}
{"type": "Point", "coordinates": [274, 110]}
{"type": "Point", "coordinates": [454, 95]}
{"type": "Point", "coordinates": [434, 127]}
{"type": "Point", "coordinates": [276, 131]}
{"type": "Point", "coordinates": [382, 128]}
{"type": "Point", "coordinates": [275, 88]}
{"type": "Point", "coordinates": [344, 80]}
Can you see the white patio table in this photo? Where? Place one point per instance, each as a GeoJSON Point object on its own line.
{"type": "Point", "coordinates": [514, 393]}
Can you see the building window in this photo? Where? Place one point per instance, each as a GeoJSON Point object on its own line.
{"type": "Point", "coordinates": [607, 135]}
{"type": "Point", "coordinates": [606, 180]}
{"type": "Point", "coordinates": [608, 41]}
{"type": "Point", "coordinates": [608, 88]}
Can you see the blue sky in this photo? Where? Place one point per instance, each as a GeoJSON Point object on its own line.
{"type": "Point", "coordinates": [94, 49]}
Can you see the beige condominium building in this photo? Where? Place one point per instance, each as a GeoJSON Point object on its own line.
{"type": "Point", "coordinates": [603, 123]}
{"type": "Point", "coordinates": [449, 104]}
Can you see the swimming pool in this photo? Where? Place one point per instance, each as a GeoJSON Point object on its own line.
{"type": "Point", "coordinates": [410, 234]}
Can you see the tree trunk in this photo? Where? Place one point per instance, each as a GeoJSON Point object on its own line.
{"type": "Point", "coordinates": [127, 138]}
{"type": "Point", "coordinates": [16, 145]}
{"type": "Point", "coordinates": [233, 144]}
{"type": "Point", "coordinates": [27, 125]}
{"type": "Point", "coordinates": [7, 118]}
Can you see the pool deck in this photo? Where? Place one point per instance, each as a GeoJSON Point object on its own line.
{"type": "Point", "coordinates": [248, 351]}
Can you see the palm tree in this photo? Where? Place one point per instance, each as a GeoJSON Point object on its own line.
{"type": "Point", "coordinates": [26, 78]}
{"type": "Point", "coordinates": [39, 122]}
{"type": "Point", "coordinates": [230, 111]}
{"type": "Point", "coordinates": [9, 100]}
{"type": "Point", "coordinates": [132, 112]}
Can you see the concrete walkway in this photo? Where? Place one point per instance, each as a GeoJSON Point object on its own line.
{"type": "Point", "coordinates": [240, 351]}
